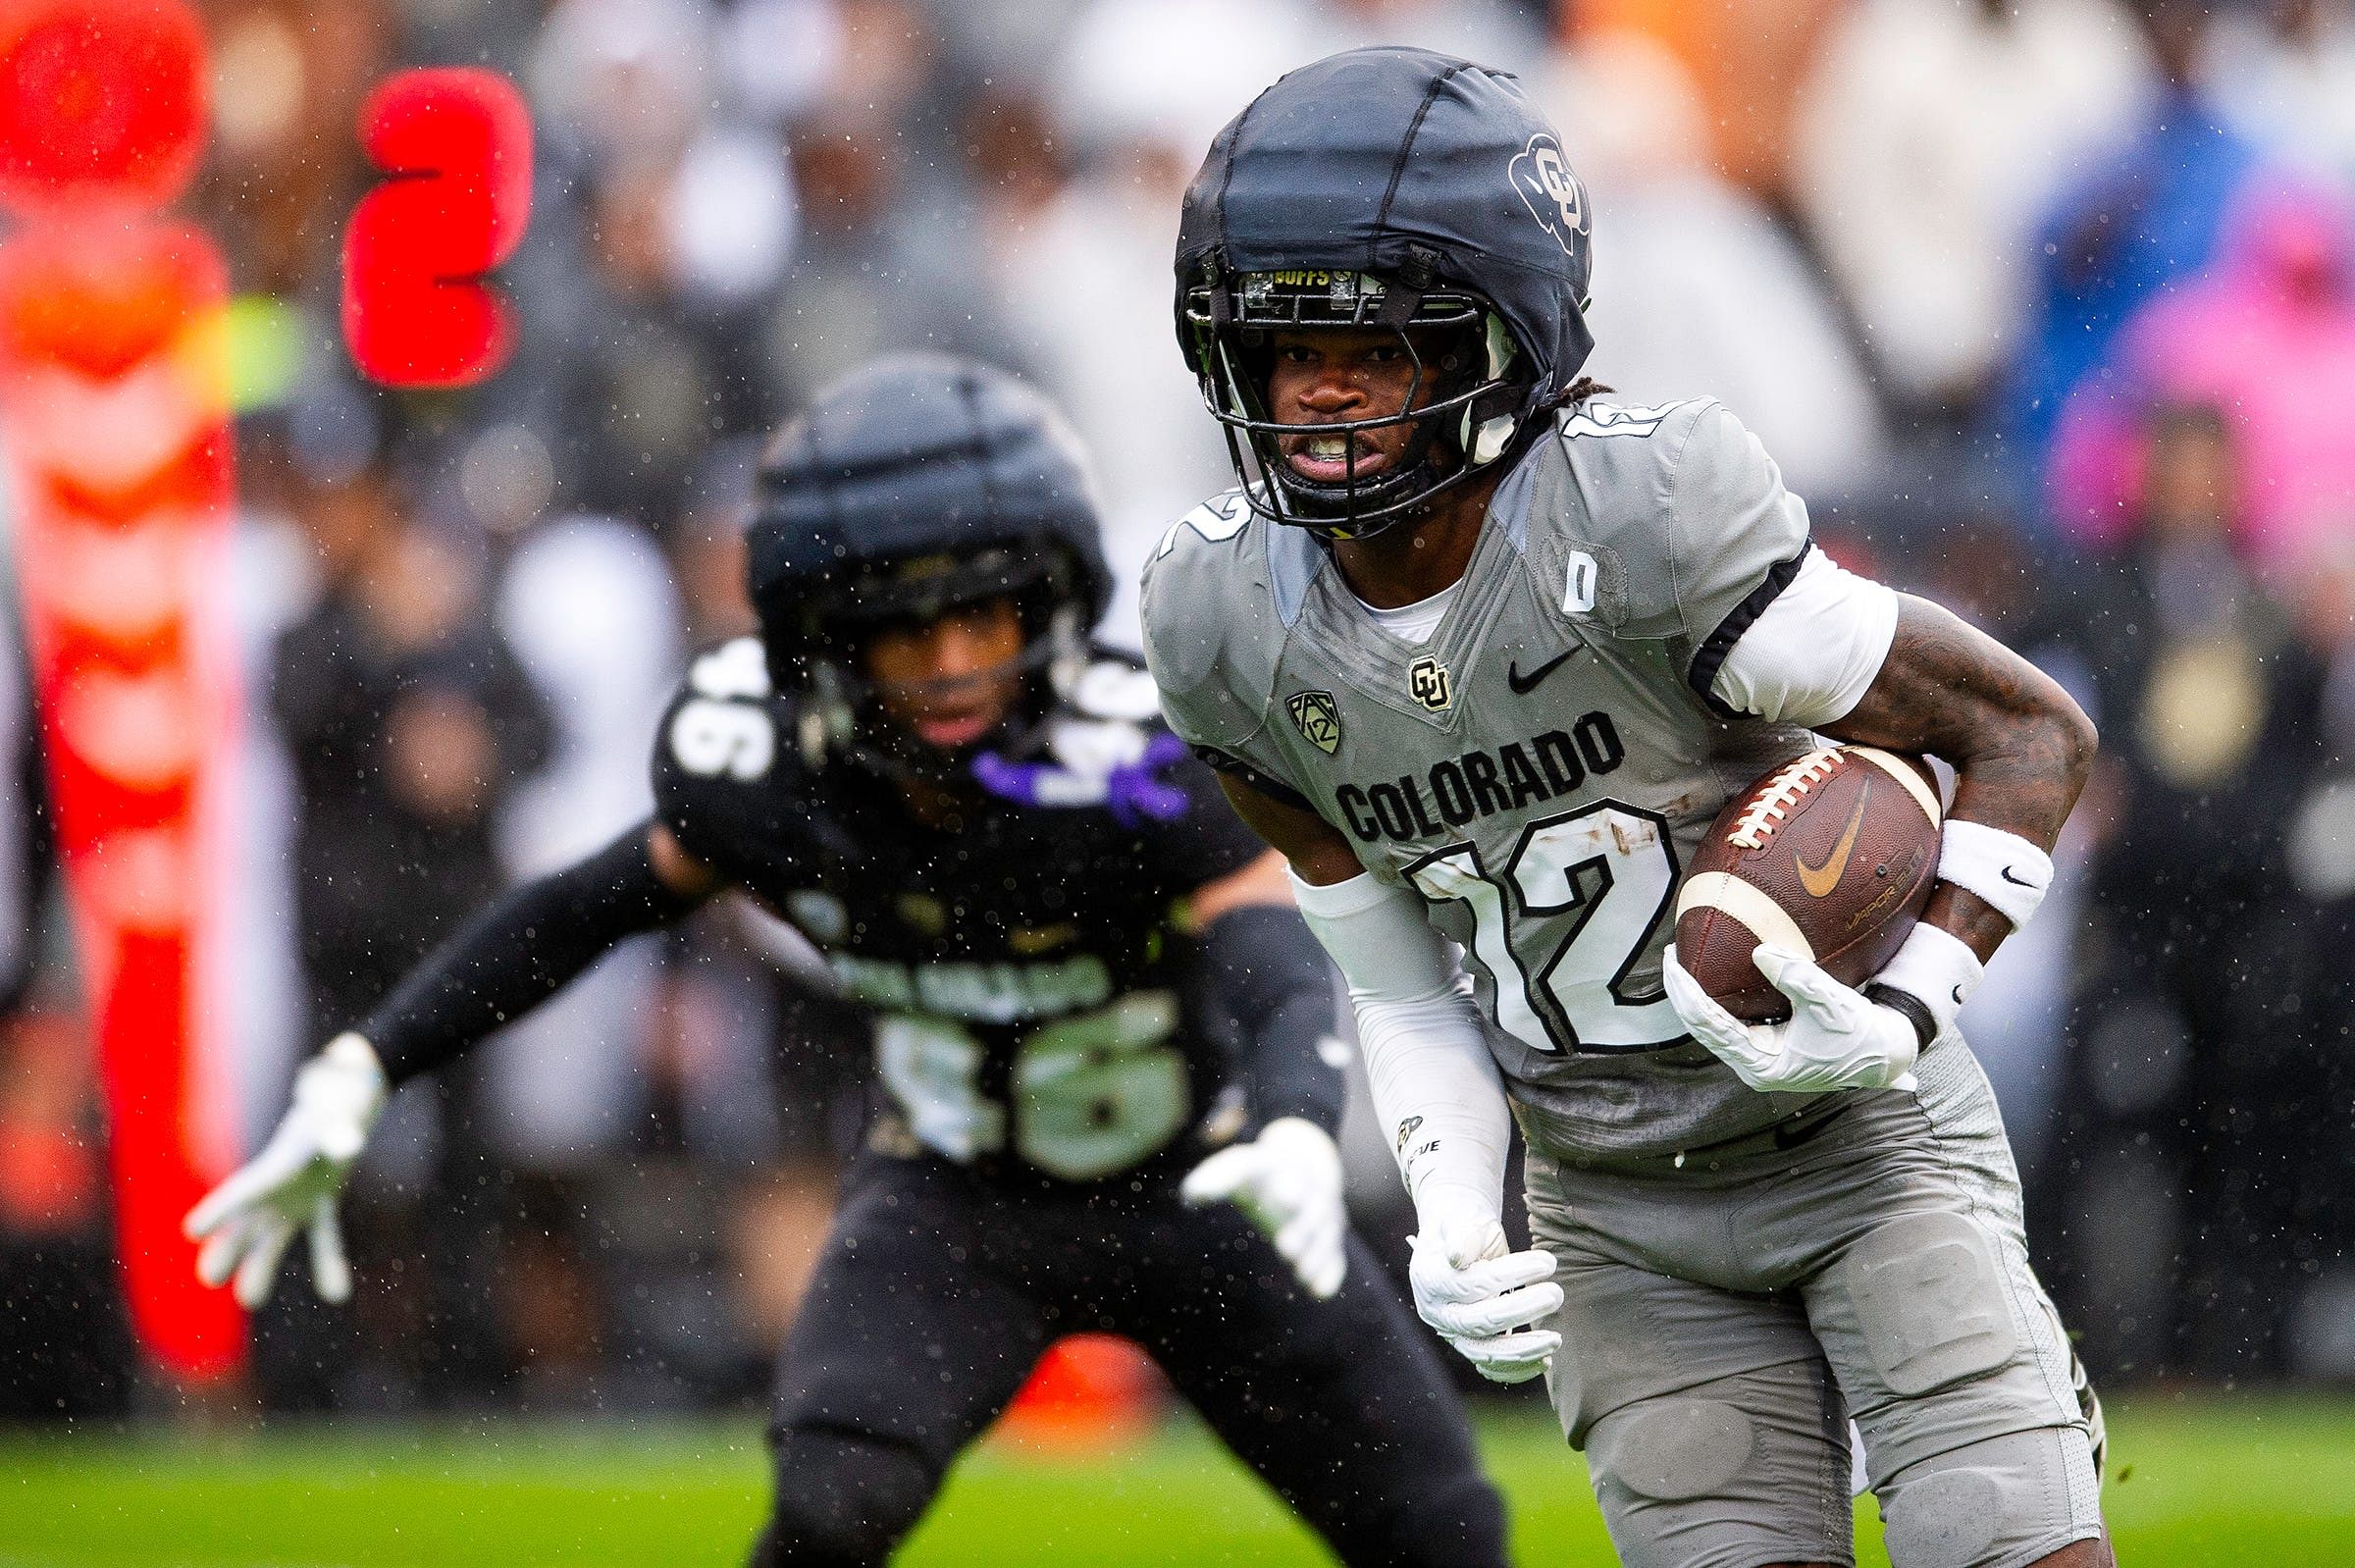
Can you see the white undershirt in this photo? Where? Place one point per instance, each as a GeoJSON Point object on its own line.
{"type": "Point", "coordinates": [1414, 623]}
{"type": "Point", "coordinates": [1811, 656]}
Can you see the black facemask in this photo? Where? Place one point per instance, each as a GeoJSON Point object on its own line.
{"type": "Point", "coordinates": [1469, 420]}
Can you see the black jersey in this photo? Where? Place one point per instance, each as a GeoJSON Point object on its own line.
{"type": "Point", "coordinates": [1026, 971]}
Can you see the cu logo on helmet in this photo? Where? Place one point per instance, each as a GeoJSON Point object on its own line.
{"type": "Point", "coordinates": [1553, 192]}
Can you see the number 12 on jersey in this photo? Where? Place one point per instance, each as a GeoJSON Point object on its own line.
{"type": "Point", "coordinates": [1558, 932]}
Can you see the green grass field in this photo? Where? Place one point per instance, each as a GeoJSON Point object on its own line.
{"type": "Point", "coordinates": [2192, 1483]}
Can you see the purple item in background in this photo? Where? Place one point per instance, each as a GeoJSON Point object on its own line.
{"type": "Point", "coordinates": [1132, 791]}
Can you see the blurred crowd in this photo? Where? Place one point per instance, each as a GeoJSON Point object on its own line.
{"type": "Point", "coordinates": [2047, 307]}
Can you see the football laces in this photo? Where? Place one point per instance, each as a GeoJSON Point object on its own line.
{"type": "Point", "coordinates": [1781, 797]}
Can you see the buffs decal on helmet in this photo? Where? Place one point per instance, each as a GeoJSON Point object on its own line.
{"type": "Point", "coordinates": [1556, 198]}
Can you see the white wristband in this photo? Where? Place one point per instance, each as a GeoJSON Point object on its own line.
{"type": "Point", "coordinates": [2004, 869]}
{"type": "Point", "coordinates": [1938, 969]}
{"type": "Point", "coordinates": [339, 1093]}
{"type": "Point", "coordinates": [355, 1052]}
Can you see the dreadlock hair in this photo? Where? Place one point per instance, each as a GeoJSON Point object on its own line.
{"type": "Point", "coordinates": [1577, 393]}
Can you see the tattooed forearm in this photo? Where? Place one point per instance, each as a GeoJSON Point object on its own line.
{"type": "Point", "coordinates": [2020, 747]}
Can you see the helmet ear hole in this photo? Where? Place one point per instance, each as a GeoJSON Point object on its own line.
{"type": "Point", "coordinates": [1501, 348]}
{"type": "Point", "coordinates": [1489, 443]}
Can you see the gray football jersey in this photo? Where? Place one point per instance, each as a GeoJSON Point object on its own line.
{"type": "Point", "coordinates": [1543, 769]}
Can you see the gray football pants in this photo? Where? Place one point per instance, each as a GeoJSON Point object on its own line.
{"type": "Point", "coordinates": [1725, 1318]}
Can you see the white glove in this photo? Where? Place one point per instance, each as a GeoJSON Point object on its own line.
{"type": "Point", "coordinates": [246, 1221]}
{"type": "Point", "coordinates": [1834, 1039]}
{"type": "Point", "coordinates": [1481, 1298]}
{"type": "Point", "coordinates": [1288, 1182]}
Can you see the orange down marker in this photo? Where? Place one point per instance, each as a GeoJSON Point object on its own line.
{"type": "Point", "coordinates": [114, 395]}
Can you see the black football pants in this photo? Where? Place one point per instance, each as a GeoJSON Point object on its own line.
{"type": "Point", "coordinates": [938, 1292]}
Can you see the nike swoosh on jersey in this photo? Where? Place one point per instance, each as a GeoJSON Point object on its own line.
{"type": "Point", "coordinates": [1799, 1129]}
{"type": "Point", "coordinates": [1819, 880]}
{"type": "Point", "coordinates": [1523, 685]}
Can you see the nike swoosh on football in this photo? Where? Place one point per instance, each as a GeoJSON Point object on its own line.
{"type": "Point", "coordinates": [1819, 880]}
{"type": "Point", "coordinates": [1523, 685]}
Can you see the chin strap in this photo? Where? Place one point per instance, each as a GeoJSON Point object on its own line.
{"type": "Point", "coordinates": [1414, 464]}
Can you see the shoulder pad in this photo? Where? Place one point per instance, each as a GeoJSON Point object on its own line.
{"type": "Point", "coordinates": [1212, 632]}
{"type": "Point", "coordinates": [1214, 522]}
{"type": "Point", "coordinates": [723, 741]}
{"type": "Point", "coordinates": [1601, 536]}
{"type": "Point", "coordinates": [1110, 687]}
{"type": "Point", "coordinates": [737, 668]}
{"type": "Point", "coordinates": [1595, 417]}
{"type": "Point", "coordinates": [1669, 526]}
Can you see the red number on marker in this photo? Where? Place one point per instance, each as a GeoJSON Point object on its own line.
{"type": "Point", "coordinates": [457, 144]}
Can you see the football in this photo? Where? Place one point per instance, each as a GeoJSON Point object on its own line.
{"type": "Point", "coordinates": [1830, 856]}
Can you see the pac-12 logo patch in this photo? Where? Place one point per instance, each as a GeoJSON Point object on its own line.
{"type": "Point", "coordinates": [1318, 718]}
{"type": "Point", "coordinates": [1555, 196]}
{"type": "Point", "coordinates": [1427, 681]}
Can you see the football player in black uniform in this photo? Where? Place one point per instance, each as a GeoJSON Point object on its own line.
{"type": "Point", "coordinates": [1095, 1013]}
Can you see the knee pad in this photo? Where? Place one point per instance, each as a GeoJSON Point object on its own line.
{"type": "Point", "coordinates": [2005, 1500]}
{"type": "Point", "coordinates": [1931, 1302]}
{"type": "Point", "coordinates": [1942, 1344]}
{"type": "Point", "coordinates": [1672, 1451]}
{"type": "Point", "coordinates": [841, 1501]}
{"type": "Point", "coordinates": [1744, 1468]}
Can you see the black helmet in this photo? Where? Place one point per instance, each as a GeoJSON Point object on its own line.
{"type": "Point", "coordinates": [1387, 188]}
{"type": "Point", "coordinates": [916, 484]}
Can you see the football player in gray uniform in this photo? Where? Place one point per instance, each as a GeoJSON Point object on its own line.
{"type": "Point", "coordinates": [1484, 654]}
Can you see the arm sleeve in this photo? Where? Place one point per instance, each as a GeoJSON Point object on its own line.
{"type": "Point", "coordinates": [1810, 655]}
{"type": "Point", "coordinates": [1267, 987]}
{"type": "Point", "coordinates": [1435, 1087]}
{"type": "Point", "coordinates": [517, 952]}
